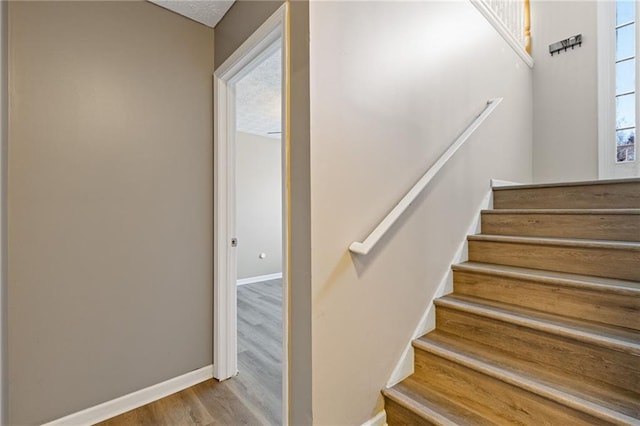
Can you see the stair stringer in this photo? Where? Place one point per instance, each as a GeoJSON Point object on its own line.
{"type": "Point", "coordinates": [405, 365]}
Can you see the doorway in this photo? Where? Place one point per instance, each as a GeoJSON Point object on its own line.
{"type": "Point", "coordinates": [250, 227]}
{"type": "Point", "coordinates": [258, 209]}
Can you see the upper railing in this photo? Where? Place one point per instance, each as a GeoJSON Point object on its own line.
{"type": "Point", "coordinates": [375, 236]}
{"type": "Point", "coordinates": [512, 20]}
{"type": "Point", "coordinates": [512, 14]}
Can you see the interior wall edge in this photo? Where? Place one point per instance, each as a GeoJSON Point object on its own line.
{"type": "Point", "coordinates": [4, 110]}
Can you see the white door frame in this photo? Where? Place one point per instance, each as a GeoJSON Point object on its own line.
{"type": "Point", "coordinates": [259, 44]}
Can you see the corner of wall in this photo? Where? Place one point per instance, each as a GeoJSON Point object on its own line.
{"type": "Point", "coordinates": [299, 375]}
{"type": "Point", "coordinates": [379, 419]}
{"type": "Point", "coordinates": [565, 116]}
{"type": "Point", "coordinates": [3, 204]}
{"type": "Point", "coordinates": [427, 323]}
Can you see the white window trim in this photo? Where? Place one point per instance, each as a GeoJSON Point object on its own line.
{"type": "Point", "coordinates": [608, 168]}
{"type": "Point", "coordinates": [606, 87]}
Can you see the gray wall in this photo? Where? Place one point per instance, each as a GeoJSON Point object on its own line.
{"type": "Point", "coordinates": [298, 145]}
{"type": "Point", "coordinates": [4, 53]}
{"type": "Point", "coordinates": [110, 202]}
{"type": "Point", "coordinates": [258, 204]}
{"type": "Point", "coordinates": [565, 114]}
{"type": "Point", "coordinates": [392, 85]}
{"type": "Point", "coordinates": [240, 21]}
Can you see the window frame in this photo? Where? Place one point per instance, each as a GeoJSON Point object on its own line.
{"type": "Point", "coordinates": [608, 167]}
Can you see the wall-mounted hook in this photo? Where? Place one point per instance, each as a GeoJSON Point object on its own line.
{"type": "Point", "coordinates": [570, 42]}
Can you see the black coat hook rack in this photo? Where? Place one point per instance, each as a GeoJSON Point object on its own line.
{"type": "Point", "coordinates": [570, 42]}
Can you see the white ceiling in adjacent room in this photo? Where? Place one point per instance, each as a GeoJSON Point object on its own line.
{"type": "Point", "coordinates": [207, 12]}
{"type": "Point", "coordinates": [258, 98]}
{"type": "Point", "coordinates": [258, 94]}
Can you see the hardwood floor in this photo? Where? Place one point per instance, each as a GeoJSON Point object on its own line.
{"type": "Point", "coordinates": [254, 397]}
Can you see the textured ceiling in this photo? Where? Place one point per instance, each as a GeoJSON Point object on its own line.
{"type": "Point", "coordinates": [258, 94]}
{"type": "Point", "coordinates": [207, 12]}
{"type": "Point", "coordinates": [258, 98]}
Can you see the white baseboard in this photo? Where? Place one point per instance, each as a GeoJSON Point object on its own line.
{"type": "Point", "coordinates": [259, 278]}
{"type": "Point", "coordinates": [136, 399]}
{"type": "Point", "coordinates": [497, 183]}
{"type": "Point", "coordinates": [379, 419]}
{"type": "Point", "coordinates": [404, 367]}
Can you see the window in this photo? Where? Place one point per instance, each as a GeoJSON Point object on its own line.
{"type": "Point", "coordinates": [625, 81]}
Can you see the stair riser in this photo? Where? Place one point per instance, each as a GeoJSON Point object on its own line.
{"type": "Point", "coordinates": [546, 349]}
{"type": "Point", "coordinates": [495, 399]}
{"type": "Point", "coordinates": [602, 262]}
{"type": "Point", "coordinates": [615, 227]}
{"type": "Point", "coordinates": [398, 415]}
{"type": "Point", "coordinates": [604, 196]}
{"type": "Point", "coordinates": [601, 306]}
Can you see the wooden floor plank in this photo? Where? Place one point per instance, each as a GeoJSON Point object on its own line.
{"type": "Point", "coordinates": [254, 396]}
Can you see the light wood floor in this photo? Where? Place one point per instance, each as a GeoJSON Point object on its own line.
{"type": "Point", "coordinates": [254, 397]}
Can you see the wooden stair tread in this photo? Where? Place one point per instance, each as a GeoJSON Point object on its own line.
{"type": "Point", "coordinates": [543, 326]}
{"type": "Point", "coordinates": [596, 399]}
{"type": "Point", "coordinates": [432, 407]}
{"type": "Point", "coordinates": [631, 211]}
{"type": "Point", "coordinates": [603, 258]}
{"type": "Point", "coordinates": [623, 287]}
{"type": "Point", "coordinates": [560, 242]}
{"type": "Point", "coordinates": [611, 337]}
{"type": "Point", "coordinates": [605, 194]}
{"type": "Point", "coordinates": [597, 392]}
{"type": "Point", "coordinates": [566, 184]}
{"type": "Point", "coordinates": [593, 224]}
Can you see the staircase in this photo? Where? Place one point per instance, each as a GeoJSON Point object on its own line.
{"type": "Point", "coordinates": [543, 325]}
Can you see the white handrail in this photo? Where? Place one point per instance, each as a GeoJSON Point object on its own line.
{"type": "Point", "coordinates": [366, 246]}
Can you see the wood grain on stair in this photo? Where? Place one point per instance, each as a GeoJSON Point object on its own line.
{"type": "Point", "coordinates": [430, 407]}
{"type": "Point", "coordinates": [596, 224]}
{"type": "Point", "coordinates": [615, 194]}
{"type": "Point", "coordinates": [610, 359]}
{"type": "Point", "coordinates": [490, 397]}
{"type": "Point", "coordinates": [589, 257]}
{"type": "Point", "coordinates": [601, 300]}
{"type": "Point", "coordinates": [404, 415]}
{"type": "Point", "coordinates": [578, 392]}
